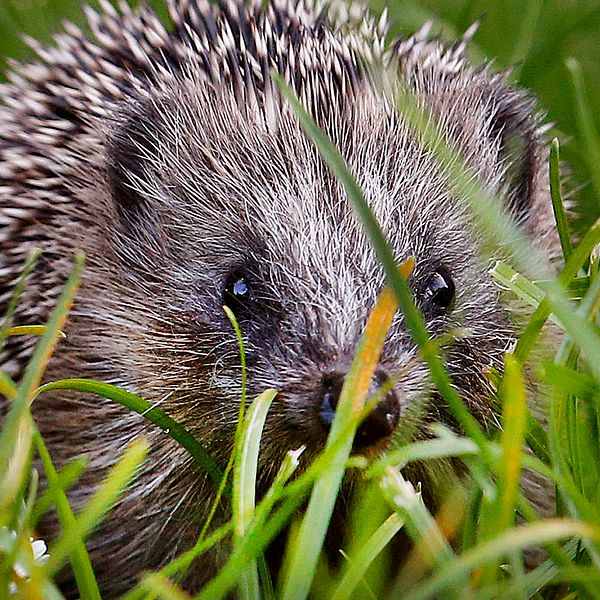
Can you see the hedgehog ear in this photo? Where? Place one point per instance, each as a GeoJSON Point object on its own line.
{"type": "Point", "coordinates": [129, 154]}
{"type": "Point", "coordinates": [514, 128]}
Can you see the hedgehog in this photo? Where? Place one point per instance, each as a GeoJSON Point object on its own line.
{"type": "Point", "coordinates": [169, 157]}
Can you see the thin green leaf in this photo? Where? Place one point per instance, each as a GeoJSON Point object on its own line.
{"type": "Point", "coordinates": [16, 296]}
{"type": "Point", "coordinates": [151, 413]}
{"type": "Point", "coordinates": [31, 330]}
{"type": "Point", "coordinates": [8, 387]}
{"type": "Point", "coordinates": [586, 124]}
{"type": "Point", "coordinates": [66, 477]}
{"type": "Point", "coordinates": [18, 426]}
{"type": "Point", "coordinates": [558, 206]}
{"type": "Point", "coordinates": [579, 257]}
{"type": "Point", "coordinates": [512, 439]}
{"type": "Point", "coordinates": [244, 483]}
{"type": "Point", "coordinates": [359, 564]}
{"type": "Point", "coordinates": [502, 513]}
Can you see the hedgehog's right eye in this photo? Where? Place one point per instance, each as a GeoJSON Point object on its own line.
{"type": "Point", "coordinates": [237, 292]}
{"type": "Point", "coordinates": [440, 289]}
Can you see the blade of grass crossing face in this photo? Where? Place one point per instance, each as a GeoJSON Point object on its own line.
{"type": "Point", "coordinates": [499, 227]}
{"type": "Point", "coordinates": [223, 486]}
{"type": "Point", "coordinates": [151, 413]}
{"type": "Point", "coordinates": [307, 548]}
{"type": "Point", "coordinates": [242, 351]}
{"type": "Point", "coordinates": [397, 282]}
{"type": "Point", "coordinates": [244, 483]}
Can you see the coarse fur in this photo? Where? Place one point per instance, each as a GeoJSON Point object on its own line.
{"type": "Point", "coordinates": [168, 156]}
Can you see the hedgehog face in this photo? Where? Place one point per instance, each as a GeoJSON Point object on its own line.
{"type": "Point", "coordinates": [229, 209]}
{"type": "Point", "coordinates": [169, 158]}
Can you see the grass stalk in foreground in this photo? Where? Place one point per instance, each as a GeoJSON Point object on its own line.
{"type": "Point", "coordinates": [307, 548]}
{"type": "Point", "coordinates": [244, 483]}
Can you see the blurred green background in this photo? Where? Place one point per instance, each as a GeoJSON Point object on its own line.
{"type": "Point", "coordinates": [535, 37]}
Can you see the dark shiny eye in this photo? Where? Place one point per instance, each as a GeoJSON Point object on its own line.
{"type": "Point", "coordinates": [237, 292]}
{"type": "Point", "coordinates": [440, 290]}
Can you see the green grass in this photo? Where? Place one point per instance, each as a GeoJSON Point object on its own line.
{"type": "Point", "coordinates": [474, 545]}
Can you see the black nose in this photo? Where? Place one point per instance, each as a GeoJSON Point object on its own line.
{"type": "Point", "coordinates": [378, 424]}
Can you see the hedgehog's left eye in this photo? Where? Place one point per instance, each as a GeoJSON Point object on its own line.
{"type": "Point", "coordinates": [440, 289]}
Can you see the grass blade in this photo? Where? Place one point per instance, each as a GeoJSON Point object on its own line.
{"type": "Point", "coordinates": [308, 544]}
{"type": "Point", "coordinates": [558, 206]}
{"type": "Point", "coordinates": [358, 565]}
{"type": "Point", "coordinates": [31, 330]}
{"type": "Point", "coordinates": [78, 556]}
{"type": "Point", "coordinates": [244, 483]}
{"type": "Point", "coordinates": [586, 124]}
{"type": "Point", "coordinates": [16, 296]}
{"type": "Point", "coordinates": [501, 515]}
{"type": "Point", "coordinates": [18, 425]}
{"type": "Point", "coordinates": [512, 439]}
{"type": "Point", "coordinates": [151, 413]}
{"type": "Point", "coordinates": [117, 480]}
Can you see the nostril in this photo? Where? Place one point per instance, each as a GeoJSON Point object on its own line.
{"type": "Point", "coordinates": [380, 423]}
{"type": "Point", "coordinates": [377, 425]}
{"type": "Point", "coordinates": [331, 386]}
{"type": "Point", "coordinates": [328, 404]}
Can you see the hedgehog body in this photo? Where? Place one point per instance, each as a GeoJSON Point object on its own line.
{"type": "Point", "coordinates": [168, 157]}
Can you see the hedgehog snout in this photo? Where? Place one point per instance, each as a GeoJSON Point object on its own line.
{"type": "Point", "coordinates": [378, 424]}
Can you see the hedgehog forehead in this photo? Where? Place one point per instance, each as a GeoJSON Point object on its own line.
{"type": "Point", "coordinates": [241, 183]}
